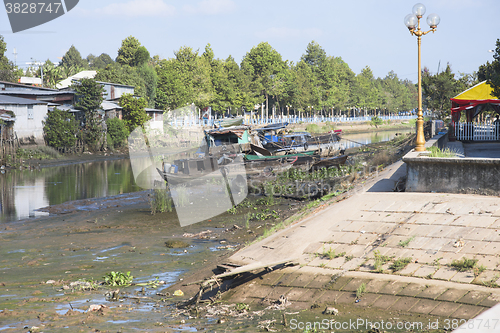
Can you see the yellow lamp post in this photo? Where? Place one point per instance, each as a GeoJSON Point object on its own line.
{"type": "Point", "coordinates": [412, 22]}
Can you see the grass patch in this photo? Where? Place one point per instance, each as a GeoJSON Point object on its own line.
{"type": "Point", "coordinates": [478, 270]}
{"type": "Point", "coordinates": [313, 128]}
{"type": "Point", "coordinates": [406, 242]}
{"type": "Point", "coordinates": [380, 260]}
{"type": "Point", "coordinates": [160, 201]}
{"type": "Point", "coordinates": [361, 290]}
{"type": "Point", "coordinates": [39, 153]}
{"type": "Point", "coordinates": [436, 152]}
{"type": "Point", "coordinates": [330, 254]}
{"type": "Point", "coordinates": [399, 264]}
{"type": "Point", "coordinates": [464, 264]}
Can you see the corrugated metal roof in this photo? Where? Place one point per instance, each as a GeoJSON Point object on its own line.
{"type": "Point", "coordinates": [35, 92]}
{"type": "Point", "coordinates": [109, 106]}
{"type": "Point", "coordinates": [5, 99]}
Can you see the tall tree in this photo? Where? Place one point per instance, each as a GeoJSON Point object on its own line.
{"type": "Point", "coordinates": [123, 74]}
{"type": "Point", "coordinates": [99, 62]}
{"type": "Point", "coordinates": [132, 53]}
{"type": "Point", "coordinates": [133, 111]}
{"type": "Point", "coordinates": [262, 64]}
{"type": "Point", "coordinates": [491, 71]}
{"type": "Point", "coordinates": [89, 97]}
{"type": "Point", "coordinates": [73, 58]}
{"type": "Point", "coordinates": [184, 80]}
{"type": "Point", "coordinates": [439, 88]}
{"type": "Point", "coordinates": [7, 70]}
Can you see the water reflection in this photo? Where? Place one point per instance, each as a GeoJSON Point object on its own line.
{"type": "Point", "coordinates": [23, 192]}
{"type": "Point", "coordinates": [355, 140]}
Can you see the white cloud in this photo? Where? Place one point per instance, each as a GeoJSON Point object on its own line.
{"type": "Point", "coordinates": [211, 7]}
{"type": "Point", "coordinates": [289, 33]}
{"type": "Point", "coordinates": [137, 8]}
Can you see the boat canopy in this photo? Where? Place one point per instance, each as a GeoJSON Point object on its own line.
{"type": "Point", "coordinates": [272, 127]}
{"type": "Point", "coordinates": [239, 131]}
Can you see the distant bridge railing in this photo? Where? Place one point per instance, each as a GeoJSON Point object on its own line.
{"type": "Point", "coordinates": [477, 131]}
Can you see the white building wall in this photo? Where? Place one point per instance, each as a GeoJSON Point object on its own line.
{"type": "Point", "coordinates": [27, 126]}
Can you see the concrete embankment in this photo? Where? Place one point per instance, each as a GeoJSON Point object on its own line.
{"type": "Point", "coordinates": [408, 250]}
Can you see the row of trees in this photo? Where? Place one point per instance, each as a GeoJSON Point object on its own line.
{"type": "Point", "coordinates": [317, 83]}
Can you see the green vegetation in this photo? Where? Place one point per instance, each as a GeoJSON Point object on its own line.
{"type": "Point", "coordinates": [400, 263]}
{"type": "Point", "coordinates": [436, 152]}
{"type": "Point", "coordinates": [117, 132]}
{"type": "Point", "coordinates": [464, 264]}
{"type": "Point", "coordinates": [160, 201]}
{"type": "Point", "coordinates": [118, 279]}
{"type": "Point", "coordinates": [361, 290]}
{"type": "Point", "coordinates": [380, 260]}
{"type": "Point", "coordinates": [89, 96]}
{"type": "Point", "coordinates": [330, 254]}
{"type": "Point", "coordinates": [134, 114]}
{"type": "Point", "coordinates": [406, 242]}
{"type": "Point", "coordinates": [38, 153]}
{"type": "Point", "coordinates": [313, 128]}
{"type": "Point", "coordinates": [60, 129]}
{"type": "Point", "coordinates": [376, 121]}
{"type": "Point", "coordinates": [478, 270]}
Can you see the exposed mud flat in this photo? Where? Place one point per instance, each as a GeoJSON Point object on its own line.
{"type": "Point", "coordinates": [42, 260]}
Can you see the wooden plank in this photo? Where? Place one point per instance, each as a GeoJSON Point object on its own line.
{"type": "Point", "coordinates": [248, 268]}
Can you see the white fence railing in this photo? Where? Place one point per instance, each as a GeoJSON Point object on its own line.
{"type": "Point", "coordinates": [190, 121]}
{"type": "Point", "coordinates": [477, 131]}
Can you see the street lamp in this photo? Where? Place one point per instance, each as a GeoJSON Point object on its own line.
{"type": "Point", "coordinates": [412, 22]}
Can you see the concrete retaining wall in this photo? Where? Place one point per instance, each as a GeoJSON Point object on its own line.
{"type": "Point", "coordinates": [451, 175]}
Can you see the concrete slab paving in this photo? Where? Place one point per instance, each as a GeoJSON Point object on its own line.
{"type": "Point", "coordinates": [433, 291]}
{"type": "Point", "coordinates": [385, 301]}
{"type": "Point", "coordinates": [444, 273]}
{"type": "Point", "coordinates": [393, 288]}
{"type": "Point", "coordinates": [354, 284]}
{"type": "Point", "coordinates": [467, 311]}
{"type": "Point", "coordinates": [411, 290]}
{"type": "Point", "coordinates": [302, 281]}
{"type": "Point", "coordinates": [329, 297]}
{"type": "Point", "coordinates": [409, 269]}
{"type": "Point", "coordinates": [374, 219]}
{"type": "Point", "coordinates": [424, 271]}
{"type": "Point", "coordinates": [474, 297]}
{"type": "Point", "coordinates": [425, 306]}
{"type": "Point", "coordinates": [463, 277]}
{"type": "Point", "coordinates": [374, 285]}
{"type": "Point", "coordinates": [452, 295]}
{"type": "Point", "coordinates": [404, 304]}
{"type": "Point", "coordinates": [367, 300]}
{"type": "Point", "coordinates": [445, 309]}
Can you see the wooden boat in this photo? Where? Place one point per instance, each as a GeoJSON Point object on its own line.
{"type": "Point", "coordinates": [329, 162]}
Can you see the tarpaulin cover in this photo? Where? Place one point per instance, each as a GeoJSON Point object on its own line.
{"type": "Point", "coordinates": [473, 101]}
{"type": "Point", "coordinates": [481, 93]}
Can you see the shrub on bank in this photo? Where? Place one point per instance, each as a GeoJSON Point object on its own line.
{"type": "Point", "coordinates": [60, 128]}
{"type": "Point", "coordinates": [117, 132]}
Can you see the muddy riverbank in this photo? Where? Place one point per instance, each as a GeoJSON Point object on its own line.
{"type": "Point", "coordinates": [52, 267]}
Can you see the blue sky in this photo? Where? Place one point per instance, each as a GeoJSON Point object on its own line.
{"type": "Point", "coordinates": [362, 32]}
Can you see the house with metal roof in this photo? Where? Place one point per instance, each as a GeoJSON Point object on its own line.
{"type": "Point", "coordinates": [29, 115]}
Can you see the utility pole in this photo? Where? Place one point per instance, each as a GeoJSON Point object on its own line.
{"type": "Point", "coordinates": [15, 56]}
